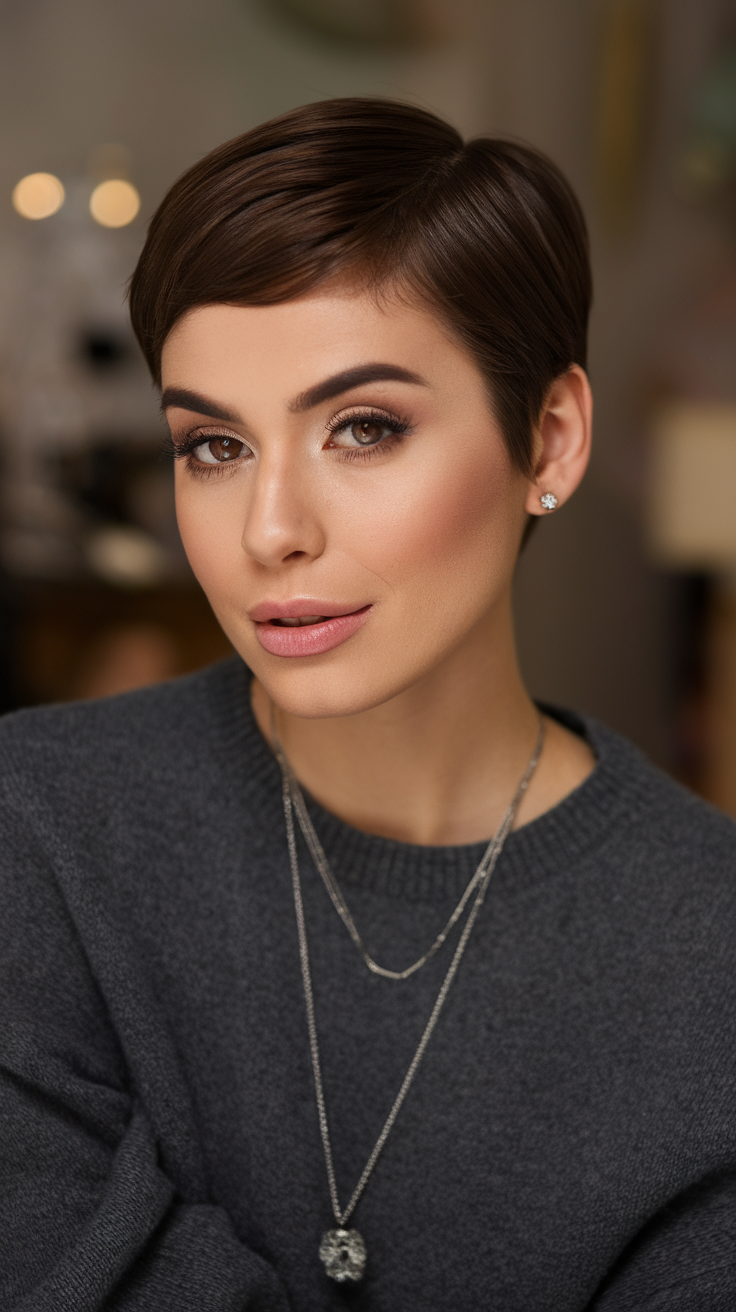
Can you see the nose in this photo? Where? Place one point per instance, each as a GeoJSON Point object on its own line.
{"type": "Point", "coordinates": [282, 520]}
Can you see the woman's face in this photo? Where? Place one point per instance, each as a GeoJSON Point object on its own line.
{"type": "Point", "coordinates": [343, 492]}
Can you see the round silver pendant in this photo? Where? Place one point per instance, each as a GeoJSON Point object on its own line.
{"type": "Point", "coordinates": [344, 1254]}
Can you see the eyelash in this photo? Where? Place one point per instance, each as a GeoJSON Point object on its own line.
{"type": "Point", "coordinates": [181, 449]}
{"type": "Point", "coordinates": [178, 448]}
{"type": "Point", "coordinates": [397, 427]}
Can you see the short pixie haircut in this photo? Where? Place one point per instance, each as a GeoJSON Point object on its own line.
{"type": "Point", "coordinates": [486, 233]}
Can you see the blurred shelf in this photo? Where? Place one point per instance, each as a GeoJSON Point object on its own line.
{"type": "Point", "coordinates": [79, 640]}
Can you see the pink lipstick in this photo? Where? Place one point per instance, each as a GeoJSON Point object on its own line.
{"type": "Point", "coordinates": [306, 627]}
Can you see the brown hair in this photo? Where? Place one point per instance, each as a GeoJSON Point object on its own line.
{"type": "Point", "coordinates": [489, 233]}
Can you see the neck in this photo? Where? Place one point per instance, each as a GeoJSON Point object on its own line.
{"type": "Point", "coordinates": [439, 762]}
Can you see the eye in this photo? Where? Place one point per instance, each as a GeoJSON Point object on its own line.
{"type": "Point", "coordinates": [220, 451]}
{"type": "Point", "coordinates": [363, 431]}
{"type": "Point", "coordinates": [367, 432]}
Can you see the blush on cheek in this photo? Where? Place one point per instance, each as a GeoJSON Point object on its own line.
{"type": "Point", "coordinates": [210, 540]}
{"type": "Point", "coordinates": [190, 529]}
{"type": "Point", "coordinates": [450, 521]}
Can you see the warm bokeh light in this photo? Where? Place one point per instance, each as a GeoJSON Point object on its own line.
{"type": "Point", "coordinates": [38, 195]}
{"type": "Point", "coordinates": [114, 203]}
{"type": "Point", "coordinates": [109, 160]}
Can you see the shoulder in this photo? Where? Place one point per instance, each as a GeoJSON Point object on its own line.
{"type": "Point", "coordinates": [138, 732]}
{"type": "Point", "coordinates": [129, 802]}
{"type": "Point", "coordinates": [644, 835]}
{"type": "Point", "coordinates": [666, 813]}
{"type": "Point", "coordinates": [667, 853]}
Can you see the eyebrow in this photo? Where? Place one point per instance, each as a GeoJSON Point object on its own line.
{"type": "Point", "coordinates": [184, 399]}
{"type": "Point", "coordinates": [200, 405]}
{"type": "Point", "coordinates": [342, 382]}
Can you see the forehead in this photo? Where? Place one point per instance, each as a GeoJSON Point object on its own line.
{"type": "Point", "coordinates": [290, 345]}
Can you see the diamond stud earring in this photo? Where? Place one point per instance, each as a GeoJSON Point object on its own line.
{"type": "Point", "coordinates": [549, 500]}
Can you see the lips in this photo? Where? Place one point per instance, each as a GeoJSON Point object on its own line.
{"type": "Point", "coordinates": [305, 627]}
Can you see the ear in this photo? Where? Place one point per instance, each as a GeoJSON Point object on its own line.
{"type": "Point", "coordinates": [562, 446]}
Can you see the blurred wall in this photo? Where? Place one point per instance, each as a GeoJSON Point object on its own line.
{"type": "Point", "coordinates": [595, 618]}
{"type": "Point", "coordinates": [169, 79]}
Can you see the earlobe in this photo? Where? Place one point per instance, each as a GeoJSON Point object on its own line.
{"type": "Point", "coordinates": [563, 442]}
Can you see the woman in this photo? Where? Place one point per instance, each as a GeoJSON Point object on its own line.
{"type": "Point", "coordinates": [285, 1030]}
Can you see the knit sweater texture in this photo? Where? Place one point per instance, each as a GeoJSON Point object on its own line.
{"type": "Point", "coordinates": [569, 1143]}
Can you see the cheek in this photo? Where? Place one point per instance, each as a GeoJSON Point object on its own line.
{"type": "Point", "coordinates": [447, 525]}
{"type": "Point", "coordinates": [210, 528]}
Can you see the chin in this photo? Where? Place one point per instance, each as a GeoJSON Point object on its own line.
{"type": "Point", "coordinates": [322, 688]}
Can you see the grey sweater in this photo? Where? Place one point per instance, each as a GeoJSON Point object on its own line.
{"type": "Point", "coordinates": [569, 1142]}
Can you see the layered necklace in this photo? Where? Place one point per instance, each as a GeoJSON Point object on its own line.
{"type": "Point", "coordinates": [343, 1250]}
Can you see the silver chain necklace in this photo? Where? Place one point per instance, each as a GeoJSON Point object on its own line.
{"type": "Point", "coordinates": [343, 1250]}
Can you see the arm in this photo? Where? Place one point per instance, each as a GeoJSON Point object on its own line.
{"type": "Point", "coordinates": [684, 1260]}
{"type": "Point", "coordinates": [88, 1218]}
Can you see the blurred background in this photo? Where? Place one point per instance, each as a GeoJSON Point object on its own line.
{"type": "Point", "coordinates": [626, 599]}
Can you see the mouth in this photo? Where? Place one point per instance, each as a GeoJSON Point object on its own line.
{"type": "Point", "coordinates": [303, 629]}
{"type": "Point", "coordinates": [295, 622]}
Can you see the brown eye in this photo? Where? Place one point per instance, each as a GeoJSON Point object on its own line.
{"type": "Point", "coordinates": [225, 448]}
{"type": "Point", "coordinates": [368, 431]}
{"type": "Point", "coordinates": [220, 451]}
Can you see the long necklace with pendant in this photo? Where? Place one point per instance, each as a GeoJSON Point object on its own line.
{"type": "Point", "coordinates": [343, 1250]}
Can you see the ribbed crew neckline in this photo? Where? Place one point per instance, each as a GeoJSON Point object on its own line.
{"type": "Point", "coordinates": [613, 794]}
